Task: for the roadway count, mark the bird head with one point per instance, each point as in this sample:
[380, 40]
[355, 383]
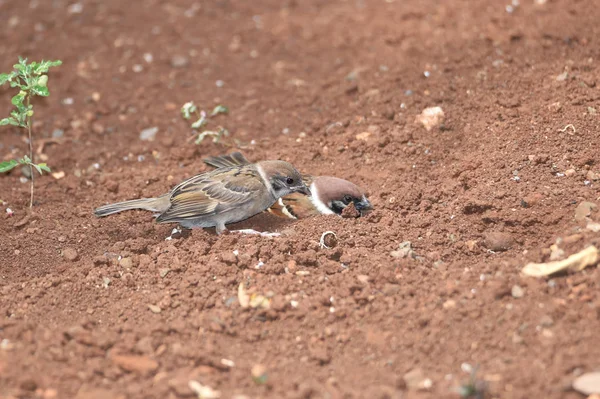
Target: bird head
[332, 195]
[283, 178]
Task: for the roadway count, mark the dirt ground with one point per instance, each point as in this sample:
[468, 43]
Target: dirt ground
[107, 308]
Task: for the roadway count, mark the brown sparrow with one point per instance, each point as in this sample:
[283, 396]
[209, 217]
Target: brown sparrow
[330, 195]
[225, 195]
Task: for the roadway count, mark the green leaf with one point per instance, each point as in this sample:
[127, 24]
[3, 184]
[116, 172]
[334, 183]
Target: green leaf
[9, 121]
[219, 109]
[43, 66]
[17, 100]
[40, 91]
[44, 167]
[40, 167]
[5, 77]
[188, 109]
[8, 165]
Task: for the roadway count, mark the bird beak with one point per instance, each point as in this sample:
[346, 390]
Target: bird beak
[302, 189]
[363, 205]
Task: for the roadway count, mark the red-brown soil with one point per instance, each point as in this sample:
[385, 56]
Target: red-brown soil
[107, 308]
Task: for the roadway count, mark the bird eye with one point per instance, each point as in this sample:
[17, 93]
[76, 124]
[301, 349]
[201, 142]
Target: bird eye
[289, 181]
[347, 199]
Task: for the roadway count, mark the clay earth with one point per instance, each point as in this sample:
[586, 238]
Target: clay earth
[108, 308]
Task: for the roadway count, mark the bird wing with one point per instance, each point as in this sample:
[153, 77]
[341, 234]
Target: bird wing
[237, 159]
[225, 161]
[211, 193]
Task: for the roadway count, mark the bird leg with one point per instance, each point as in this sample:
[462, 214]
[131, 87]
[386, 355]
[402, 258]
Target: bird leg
[260, 233]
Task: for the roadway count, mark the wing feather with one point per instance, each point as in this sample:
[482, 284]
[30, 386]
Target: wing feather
[225, 161]
[211, 193]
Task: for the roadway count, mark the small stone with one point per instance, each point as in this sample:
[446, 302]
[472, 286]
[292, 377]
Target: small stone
[516, 291]
[431, 117]
[404, 251]
[415, 380]
[148, 134]
[593, 176]
[136, 364]
[163, 272]
[588, 383]
[546, 321]
[562, 77]
[583, 210]
[154, 309]
[532, 200]
[569, 172]
[363, 278]
[98, 128]
[449, 304]
[179, 61]
[112, 186]
[364, 136]
[126, 263]
[70, 254]
[259, 374]
[57, 133]
[471, 245]
[6, 345]
[497, 241]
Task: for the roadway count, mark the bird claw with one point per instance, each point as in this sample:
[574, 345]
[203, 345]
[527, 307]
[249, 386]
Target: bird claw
[260, 233]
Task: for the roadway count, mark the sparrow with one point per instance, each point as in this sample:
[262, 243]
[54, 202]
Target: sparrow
[225, 195]
[330, 195]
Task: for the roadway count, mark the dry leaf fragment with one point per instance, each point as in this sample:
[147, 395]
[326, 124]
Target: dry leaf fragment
[576, 262]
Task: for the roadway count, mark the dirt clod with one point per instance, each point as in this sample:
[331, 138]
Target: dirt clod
[136, 364]
[70, 254]
[498, 241]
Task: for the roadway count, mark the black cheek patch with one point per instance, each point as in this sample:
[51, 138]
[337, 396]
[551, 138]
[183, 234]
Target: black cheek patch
[337, 206]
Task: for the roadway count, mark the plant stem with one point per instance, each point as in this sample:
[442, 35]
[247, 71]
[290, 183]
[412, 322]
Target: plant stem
[30, 154]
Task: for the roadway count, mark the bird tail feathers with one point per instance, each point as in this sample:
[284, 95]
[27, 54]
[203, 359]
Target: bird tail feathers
[148, 204]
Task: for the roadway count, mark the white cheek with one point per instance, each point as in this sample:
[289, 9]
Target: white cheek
[314, 198]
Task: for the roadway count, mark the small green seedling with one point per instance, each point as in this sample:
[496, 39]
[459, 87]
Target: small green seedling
[31, 80]
[190, 110]
[474, 388]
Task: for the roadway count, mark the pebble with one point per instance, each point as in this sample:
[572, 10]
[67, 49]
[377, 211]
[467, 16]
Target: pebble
[70, 254]
[179, 61]
[154, 309]
[259, 374]
[591, 175]
[415, 380]
[126, 263]
[431, 117]
[163, 272]
[584, 209]
[136, 364]
[588, 383]
[546, 321]
[148, 134]
[57, 133]
[516, 291]
[498, 241]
